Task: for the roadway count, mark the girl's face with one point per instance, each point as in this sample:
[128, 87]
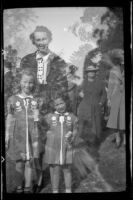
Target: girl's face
[27, 84]
[60, 105]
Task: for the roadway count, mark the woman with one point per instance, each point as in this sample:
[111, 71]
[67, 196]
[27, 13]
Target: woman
[49, 68]
[89, 111]
[116, 95]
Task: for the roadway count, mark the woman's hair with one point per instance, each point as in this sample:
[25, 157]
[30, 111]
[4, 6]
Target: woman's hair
[19, 75]
[41, 29]
[88, 58]
[59, 96]
[116, 56]
[93, 53]
[65, 98]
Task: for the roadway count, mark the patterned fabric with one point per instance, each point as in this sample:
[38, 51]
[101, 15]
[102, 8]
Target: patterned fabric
[42, 68]
[20, 120]
[56, 143]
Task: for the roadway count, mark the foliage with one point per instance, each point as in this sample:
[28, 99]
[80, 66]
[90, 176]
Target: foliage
[88, 23]
[10, 54]
[113, 37]
[103, 27]
[77, 58]
[16, 22]
[78, 55]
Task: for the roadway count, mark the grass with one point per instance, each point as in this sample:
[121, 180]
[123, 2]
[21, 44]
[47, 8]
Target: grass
[111, 166]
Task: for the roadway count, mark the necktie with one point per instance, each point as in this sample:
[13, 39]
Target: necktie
[42, 68]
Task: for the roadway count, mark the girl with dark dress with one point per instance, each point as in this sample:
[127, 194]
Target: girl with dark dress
[62, 129]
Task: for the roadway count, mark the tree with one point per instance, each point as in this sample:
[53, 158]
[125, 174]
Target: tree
[87, 23]
[102, 26]
[16, 22]
[78, 57]
[84, 30]
[113, 37]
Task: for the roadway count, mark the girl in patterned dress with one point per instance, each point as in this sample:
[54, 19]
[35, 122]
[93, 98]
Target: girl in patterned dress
[62, 129]
[22, 136]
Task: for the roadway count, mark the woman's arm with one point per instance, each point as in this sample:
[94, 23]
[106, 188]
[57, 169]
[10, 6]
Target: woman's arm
[111, 85]
[80, 91]
[103, 95]
[75, 128]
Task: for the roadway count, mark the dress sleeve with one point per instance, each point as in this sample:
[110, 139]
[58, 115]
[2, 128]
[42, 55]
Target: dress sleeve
[47, 118]
[24, 62]
[122, 84]
[10, 106]
[10, 117]
[104, 94]
[45, 122]
[75, 125]
[111, 85]
[57, 77]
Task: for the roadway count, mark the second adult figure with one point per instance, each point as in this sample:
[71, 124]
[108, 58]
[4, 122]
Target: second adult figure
[90, 108]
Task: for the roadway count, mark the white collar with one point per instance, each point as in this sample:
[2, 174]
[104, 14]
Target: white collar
[62, 114]
[39, 56]
[23, 97]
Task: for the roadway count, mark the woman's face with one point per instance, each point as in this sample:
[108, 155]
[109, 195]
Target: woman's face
[41, 41]
[27, 84]
[60, 105]
[91, 74]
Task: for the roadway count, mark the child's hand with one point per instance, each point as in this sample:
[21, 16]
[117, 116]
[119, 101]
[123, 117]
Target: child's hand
[36, 115]
[23, 156]
[35, 149]
[109, 103]
[81, 94]
[68, 137]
